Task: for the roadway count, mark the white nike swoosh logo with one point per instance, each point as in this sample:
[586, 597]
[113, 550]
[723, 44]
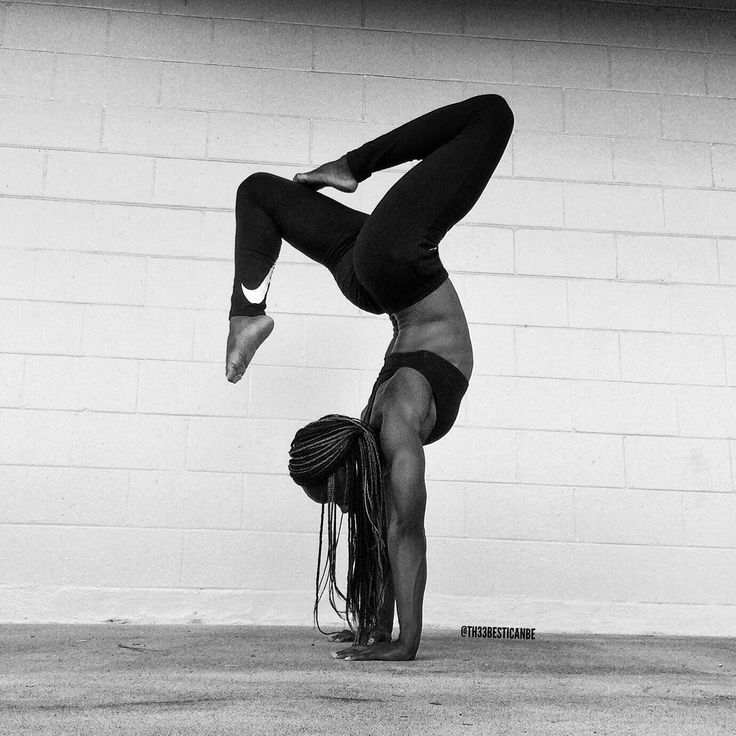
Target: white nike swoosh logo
[257, 295]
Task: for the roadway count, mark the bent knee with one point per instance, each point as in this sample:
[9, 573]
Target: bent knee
[498, 111]
[255, 184]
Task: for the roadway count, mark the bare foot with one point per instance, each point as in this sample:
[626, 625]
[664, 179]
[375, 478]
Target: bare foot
[245, 337]
[335, 174]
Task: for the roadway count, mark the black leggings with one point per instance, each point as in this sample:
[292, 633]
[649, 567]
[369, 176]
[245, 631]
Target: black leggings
[386, 261]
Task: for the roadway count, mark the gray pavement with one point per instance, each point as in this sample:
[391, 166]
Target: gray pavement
[194, 679]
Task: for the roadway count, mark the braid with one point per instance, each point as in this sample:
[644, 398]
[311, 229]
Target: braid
[317, 452]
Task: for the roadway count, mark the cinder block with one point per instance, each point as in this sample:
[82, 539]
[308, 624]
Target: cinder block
[399, 100]
[57, 225]
[210, 87]
[612, 207]
[285, 346]
[78, 383]
[121, 558]
[193, 284]
[618, 305]
[720, 30]
[462, 57]
[145, 230]
[519, 403]
[37, 437]
[600, 112]
[312, 94]
[240, 445]
[303, 393]
[727, 261]
[678, 463]
[472, 454]
[724, 166]
[662, 258]
[682, 28]
[38, 327]
[560, 64]
[544, 155]
[162, 132]
[721, 76]
[730, 355]
[665, 358]
[567, 458]
[710, 519]
[703, 309]
[245, 560]
[32, 555]
[99, 176]
[509, 19]
[26, 73]
[507, 202]
[17, 268]
[707, 411]
[493, 349]
[621, 516]
[516, 300]
[106, 79]
[564, 253]
[651, 70]
[345, 342]
[174, 387]
[620, 408]
[218, 235]
[296, 288]
[700, 212]
[75, 277]
[213, 8]
[314, 12]
[38, 495]
[200, 183]
[184, 500]
[506, 511]
[29, 122]
[699, 119]
[567, 353]
[433, 16]
[21, 171]
[366, 52]
[444, 514]
[255, 137]
[478, 250]
[662, 162]
[276, 502]
[11, 381]
[272, 45]
[535, 108]
[48, 28]
[138, 332]
[607, 24]
[153, 36]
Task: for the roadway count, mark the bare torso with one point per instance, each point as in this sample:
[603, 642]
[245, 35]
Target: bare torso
[437, 323]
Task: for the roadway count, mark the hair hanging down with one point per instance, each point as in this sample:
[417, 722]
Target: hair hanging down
[317, 452]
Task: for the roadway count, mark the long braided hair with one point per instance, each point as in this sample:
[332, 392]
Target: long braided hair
[318, 451]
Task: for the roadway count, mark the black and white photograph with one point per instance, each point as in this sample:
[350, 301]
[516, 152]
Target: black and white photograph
[367, 367]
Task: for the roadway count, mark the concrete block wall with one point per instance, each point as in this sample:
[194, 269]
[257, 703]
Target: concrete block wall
[589, 484]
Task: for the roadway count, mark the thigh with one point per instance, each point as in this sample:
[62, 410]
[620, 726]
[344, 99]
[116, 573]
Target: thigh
[396, 256]
[316, 225]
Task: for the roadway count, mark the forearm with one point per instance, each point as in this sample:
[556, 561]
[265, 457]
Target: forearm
[407, 549]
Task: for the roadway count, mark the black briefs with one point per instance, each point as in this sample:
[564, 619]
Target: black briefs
[447, 382]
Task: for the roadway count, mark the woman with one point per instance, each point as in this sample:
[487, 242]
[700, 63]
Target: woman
[386, 262]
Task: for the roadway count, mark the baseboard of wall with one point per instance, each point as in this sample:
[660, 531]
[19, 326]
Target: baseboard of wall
[51, 604]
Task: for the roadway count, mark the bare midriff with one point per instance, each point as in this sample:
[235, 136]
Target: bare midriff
[437, 323]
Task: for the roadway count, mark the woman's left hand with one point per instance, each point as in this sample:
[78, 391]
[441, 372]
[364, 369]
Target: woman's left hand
[393, 651]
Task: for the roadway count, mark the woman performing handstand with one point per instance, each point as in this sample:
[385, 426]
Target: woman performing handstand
[386, 262]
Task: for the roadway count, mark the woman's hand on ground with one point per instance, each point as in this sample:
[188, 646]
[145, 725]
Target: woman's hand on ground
[389, 651]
